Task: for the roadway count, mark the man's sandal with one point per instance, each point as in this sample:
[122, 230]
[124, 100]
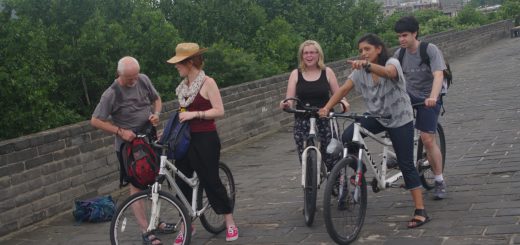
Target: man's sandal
[414, 222]
[149, 238]
[166, 228]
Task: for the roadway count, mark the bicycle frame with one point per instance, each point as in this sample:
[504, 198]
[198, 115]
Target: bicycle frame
[364, 154]
[193, 182]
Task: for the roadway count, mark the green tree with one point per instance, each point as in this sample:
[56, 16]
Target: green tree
[510, 9]
[438, 24]
[470, 16]
[28, 81]
[209, 21]
[229, 65]
[276, 45]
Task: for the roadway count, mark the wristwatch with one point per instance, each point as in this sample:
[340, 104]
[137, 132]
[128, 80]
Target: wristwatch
[367, 66]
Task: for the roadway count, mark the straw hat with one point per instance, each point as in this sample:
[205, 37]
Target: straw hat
[184, 51]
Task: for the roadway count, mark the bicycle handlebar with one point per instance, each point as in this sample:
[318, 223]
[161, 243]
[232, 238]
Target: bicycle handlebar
[353, 115]
[306, 109]
[157, 145]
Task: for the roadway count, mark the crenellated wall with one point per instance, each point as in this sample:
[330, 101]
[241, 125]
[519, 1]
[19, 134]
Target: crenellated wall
[41, 174]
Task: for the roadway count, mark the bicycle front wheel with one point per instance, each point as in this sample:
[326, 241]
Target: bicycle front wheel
[311, 187]
[132, 217]
[211, 221]
[423, 166]
[344, 208]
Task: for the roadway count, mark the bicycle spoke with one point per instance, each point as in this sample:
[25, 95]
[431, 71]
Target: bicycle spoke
[344, 213]
[210, 220]
[127, 227]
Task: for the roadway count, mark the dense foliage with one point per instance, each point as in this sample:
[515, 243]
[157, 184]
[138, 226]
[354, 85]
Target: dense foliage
[58, 56]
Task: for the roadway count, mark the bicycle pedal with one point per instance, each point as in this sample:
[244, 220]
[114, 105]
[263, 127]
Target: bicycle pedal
[375, 187]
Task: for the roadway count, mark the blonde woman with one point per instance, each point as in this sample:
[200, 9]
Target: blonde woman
[312, 83]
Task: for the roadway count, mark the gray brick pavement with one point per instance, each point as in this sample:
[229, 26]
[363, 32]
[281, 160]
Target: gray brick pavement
[482, 126]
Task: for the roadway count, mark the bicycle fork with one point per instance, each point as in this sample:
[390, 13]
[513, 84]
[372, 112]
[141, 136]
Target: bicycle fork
[304, 164]
[156, 208]
[312, 133]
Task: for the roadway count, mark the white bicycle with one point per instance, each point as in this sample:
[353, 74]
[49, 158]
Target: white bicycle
[345, 197]
[164, 207]
[314, 171]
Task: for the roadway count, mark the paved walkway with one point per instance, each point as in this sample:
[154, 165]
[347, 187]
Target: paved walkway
[482, 125]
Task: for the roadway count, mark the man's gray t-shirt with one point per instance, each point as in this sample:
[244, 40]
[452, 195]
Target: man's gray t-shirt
[385, 97]
[129, 109]
[419, 79]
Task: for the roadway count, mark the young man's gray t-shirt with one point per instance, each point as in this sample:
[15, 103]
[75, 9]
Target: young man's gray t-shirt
[419, 79]
[385, 97]
[131, 108]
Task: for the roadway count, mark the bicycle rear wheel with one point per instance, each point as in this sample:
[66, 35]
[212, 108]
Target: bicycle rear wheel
[211, 221]
[423, 166]
[311, 187]
[126, 229]
[343, 213]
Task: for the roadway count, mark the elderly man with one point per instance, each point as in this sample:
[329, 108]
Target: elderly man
[125, 107]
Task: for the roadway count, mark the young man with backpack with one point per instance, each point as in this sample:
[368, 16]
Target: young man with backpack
[126, 107]
[423, 66]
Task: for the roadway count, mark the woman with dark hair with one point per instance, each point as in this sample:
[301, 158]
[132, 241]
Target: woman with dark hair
[380, 80]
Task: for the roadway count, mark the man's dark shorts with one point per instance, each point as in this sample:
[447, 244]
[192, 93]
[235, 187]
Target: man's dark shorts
[426, 117]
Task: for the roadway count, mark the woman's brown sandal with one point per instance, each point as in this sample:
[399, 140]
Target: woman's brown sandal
[414, 223]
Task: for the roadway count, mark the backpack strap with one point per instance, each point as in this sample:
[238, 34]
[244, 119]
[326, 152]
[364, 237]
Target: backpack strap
[117, 90]
[401, 55]
[425, 59]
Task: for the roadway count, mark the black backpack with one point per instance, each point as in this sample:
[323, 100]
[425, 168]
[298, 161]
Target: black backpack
[425, 59]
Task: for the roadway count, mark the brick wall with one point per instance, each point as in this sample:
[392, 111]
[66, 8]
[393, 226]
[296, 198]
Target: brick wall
[41, 174]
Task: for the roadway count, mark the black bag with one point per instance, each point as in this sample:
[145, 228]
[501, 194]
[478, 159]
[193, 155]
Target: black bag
[425, 59]
[177, 136]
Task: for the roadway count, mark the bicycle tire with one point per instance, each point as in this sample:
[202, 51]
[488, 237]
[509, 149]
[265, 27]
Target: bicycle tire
[342, 228]
[311, 187]
[211, 221]
[425, 172]
[125, 229]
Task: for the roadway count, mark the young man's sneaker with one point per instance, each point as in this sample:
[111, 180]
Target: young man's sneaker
[180, 237]
[440, 190]
[232, 233]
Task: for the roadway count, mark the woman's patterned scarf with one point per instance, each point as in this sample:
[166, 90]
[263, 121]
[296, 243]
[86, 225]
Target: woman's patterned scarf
[186, 94]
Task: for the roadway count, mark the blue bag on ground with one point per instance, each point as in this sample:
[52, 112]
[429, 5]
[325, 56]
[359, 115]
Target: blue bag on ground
[98, 209]
[177, 136]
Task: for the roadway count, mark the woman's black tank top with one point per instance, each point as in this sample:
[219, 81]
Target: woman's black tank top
[314, 93]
